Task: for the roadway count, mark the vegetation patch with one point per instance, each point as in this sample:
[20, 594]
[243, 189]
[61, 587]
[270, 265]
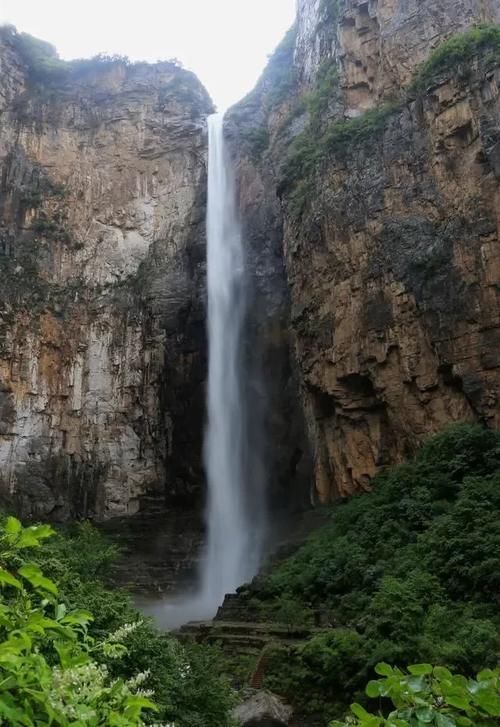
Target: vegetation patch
[483, 41]
[327, 82]
[307, 151]
[373, 123]
[427, 695]
[74, 652]
[257, 141]
[406, 574]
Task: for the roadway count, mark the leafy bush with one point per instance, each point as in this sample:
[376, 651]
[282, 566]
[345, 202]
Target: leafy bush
[410, 571]
[372, 123]
[459, 49]
[327, 82]
[186, 681]
[257, 141]
[429, 695]
[308, 150]
[41, 59]
[49, 667]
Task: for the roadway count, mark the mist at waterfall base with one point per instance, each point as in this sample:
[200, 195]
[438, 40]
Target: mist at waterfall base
[235, 512]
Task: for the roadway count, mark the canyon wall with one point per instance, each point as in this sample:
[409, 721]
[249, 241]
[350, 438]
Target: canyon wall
[380, 183]
[102, 299]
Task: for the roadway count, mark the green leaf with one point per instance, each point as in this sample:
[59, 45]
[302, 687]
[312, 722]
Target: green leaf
[444, 720]
[485, 674]
[415, 684]
[80, 618]
[14, 715]
[420, 669]
[384, 669]
[442, 673]
[60, 611]
[34, 575]
[31, 537]
[359, 711]
[374, 689]
[488, 701]
[425, 715]
[12, 526]
[6, 579]
[458, 701]
[464, 722]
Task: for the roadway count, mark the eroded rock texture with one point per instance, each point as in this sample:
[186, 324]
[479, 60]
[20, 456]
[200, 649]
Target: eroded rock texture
[392, 256]
[102, 350]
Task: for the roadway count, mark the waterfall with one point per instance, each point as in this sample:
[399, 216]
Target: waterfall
[235, 512]
[232, 552]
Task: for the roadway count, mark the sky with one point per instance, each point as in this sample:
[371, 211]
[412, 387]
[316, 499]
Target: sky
[225, 42]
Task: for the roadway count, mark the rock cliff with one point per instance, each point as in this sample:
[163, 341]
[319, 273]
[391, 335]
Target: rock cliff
[369, 149]
[102, 257]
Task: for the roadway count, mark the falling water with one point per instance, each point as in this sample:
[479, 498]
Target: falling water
[234, 514]
[232, 553]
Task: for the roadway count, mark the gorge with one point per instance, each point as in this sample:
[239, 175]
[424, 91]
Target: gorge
[351, 298]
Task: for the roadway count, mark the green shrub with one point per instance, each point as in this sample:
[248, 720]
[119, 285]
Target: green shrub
[41, 59]
[317, 674]
[187, 683]
[308, 150]
[50, 672]
[459, 49]
[411, 569]
[291, 612]
[327, 83]
[257, 141]
[427, 695]
[341, 134]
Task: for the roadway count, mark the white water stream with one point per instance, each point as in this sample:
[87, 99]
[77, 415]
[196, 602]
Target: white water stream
[232, 553]
[234, 519]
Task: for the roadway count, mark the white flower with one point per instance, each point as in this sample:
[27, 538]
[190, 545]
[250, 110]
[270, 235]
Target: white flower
[122, 632]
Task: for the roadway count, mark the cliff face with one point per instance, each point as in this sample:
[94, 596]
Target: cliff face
[388, 220]
[102, 350]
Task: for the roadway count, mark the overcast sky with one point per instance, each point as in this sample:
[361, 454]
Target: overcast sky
[225, 42]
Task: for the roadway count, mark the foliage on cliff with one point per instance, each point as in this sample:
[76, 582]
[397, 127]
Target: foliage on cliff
[461, 49]
[45, 68]
[323, 139]
[76, 623]
[407, 573]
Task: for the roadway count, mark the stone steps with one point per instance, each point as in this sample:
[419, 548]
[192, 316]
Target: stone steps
[244, 638]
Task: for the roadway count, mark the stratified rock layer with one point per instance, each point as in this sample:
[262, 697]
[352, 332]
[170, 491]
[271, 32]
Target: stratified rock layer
[392, 255]
[102, 345]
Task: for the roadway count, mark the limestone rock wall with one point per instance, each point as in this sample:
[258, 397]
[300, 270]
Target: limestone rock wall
[102, 344]
[392, 252]
[396, 311]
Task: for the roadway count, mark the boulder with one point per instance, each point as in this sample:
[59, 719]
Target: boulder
[263, 709]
